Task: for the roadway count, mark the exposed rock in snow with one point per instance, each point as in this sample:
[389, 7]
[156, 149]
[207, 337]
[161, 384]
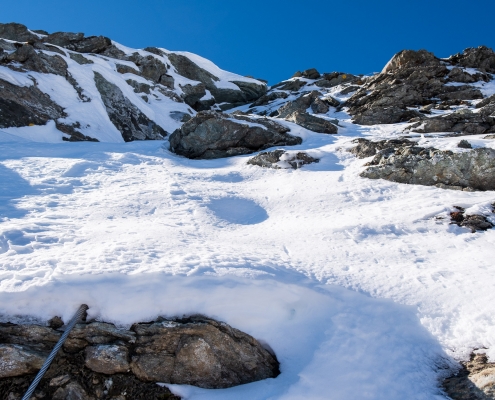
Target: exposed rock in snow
[312, 123]
[482, 58]
[470, 170]
[194, 351]
[280, 159]
[213, 135]
[367, 148]
[475, 380]
[475, 222]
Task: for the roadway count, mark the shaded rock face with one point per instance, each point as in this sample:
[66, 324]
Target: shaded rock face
[26, 105]
[367, 148]
[482, 58]
[410, 79]
[77, 42]
[213, 135]
[17, 32]
[100, 357]
[248, 91]
[126, 117]
[474, 222]
[312, 123]
[280, 159]
[470, 170]
[475, 380]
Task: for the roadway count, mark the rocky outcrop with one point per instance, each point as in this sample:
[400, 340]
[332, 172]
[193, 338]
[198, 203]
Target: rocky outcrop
[482, 58]
[99, 357]
[126, 117]
[247, 92]
[469, 170]
[312, 123]
[17, 32]
[410, 79]
[213, 135]
[462, 121]
[280, 159]
[474, 381]
[367, 148]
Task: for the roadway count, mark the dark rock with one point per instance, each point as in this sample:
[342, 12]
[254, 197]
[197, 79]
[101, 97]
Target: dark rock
[139, 87]
[25, 105]
[336, 78]
[267, 98]
[349, 89]
[214, 135]
[464, 144]
[248, 91]
[367, 148]
[113, 51]
[32, 61]
[77, 42]
[180, 116]
[107, 359]
[302, 103]
[486, 101]
[4, 45]
[320, 106]
[154, 50]
[474, 381]
[73, 391]
[476, 222]
[482, 58]
[312, 123]
[150, 66]
[463, 120]
[126, 69]
[78, 58]
[280, 159]
[55, 323]
[473, 170]
[459, 75]
[292, 85]
[74, 134]
[126, 117]
[18, 360]
[410, 79]
[193, 94]
[17, 32]
[311, 73]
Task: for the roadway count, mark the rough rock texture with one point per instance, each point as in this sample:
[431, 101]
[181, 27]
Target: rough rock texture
[367, 148]
[462, 121]
[474, 222]
[302, 103]
[126, 117]
[480, 57]
[26, 105]
[475, 380]
[213, 135]
[312, 123]
[470, 170]
[77, 42]
[99, 357]
[336, 78]
[280, 159]
[410, 79]
[247, 92]
[17, 32]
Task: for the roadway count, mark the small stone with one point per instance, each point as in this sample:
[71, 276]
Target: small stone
[60, 380]
[73, 391]
[464, 144]
[55, 323]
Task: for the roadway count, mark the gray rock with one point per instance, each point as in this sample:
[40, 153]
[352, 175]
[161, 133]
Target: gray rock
[73, 391]
[489, 137]
[139, 87]
[78, 58]
[280, 159]
[151, 67]
[25, 105]
[17, 32]
[180, 116]
[311, 73]
[8, 46]
[410, 79]
[107, 359]
[367, 148]
[464, 144]
[336, 78]
[193, 94]
[482, 58]
[199, 352]
[77, 42]
[291, 85]
[126, 117]
[247, 92]
[302, 103]
[30, 60]
[312, 123]
[320, 106]
[473, 170]
[214, 135]
[267, 98]
[18, 360]
[113, 51]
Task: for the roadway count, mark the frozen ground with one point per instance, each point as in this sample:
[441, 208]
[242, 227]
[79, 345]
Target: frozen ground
[356, 286]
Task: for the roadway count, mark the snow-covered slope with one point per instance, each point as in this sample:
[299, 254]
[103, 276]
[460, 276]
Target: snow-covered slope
[362, 287]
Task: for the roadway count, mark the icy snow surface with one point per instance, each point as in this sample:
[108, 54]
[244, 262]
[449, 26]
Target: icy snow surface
[360, 291]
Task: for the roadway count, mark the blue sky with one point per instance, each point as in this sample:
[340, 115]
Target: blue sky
[272, 39]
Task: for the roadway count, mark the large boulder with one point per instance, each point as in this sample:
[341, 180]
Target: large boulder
[127, 118]
[214, 135]
[312, 123]
[280, 159]
[247, 92]
[99, 357]
[469, 170]
[410, 79]
[77, 42]
[482, 58]
[17, 32]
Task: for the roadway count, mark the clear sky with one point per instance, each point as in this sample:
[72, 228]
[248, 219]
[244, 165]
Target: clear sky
[272, 39]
